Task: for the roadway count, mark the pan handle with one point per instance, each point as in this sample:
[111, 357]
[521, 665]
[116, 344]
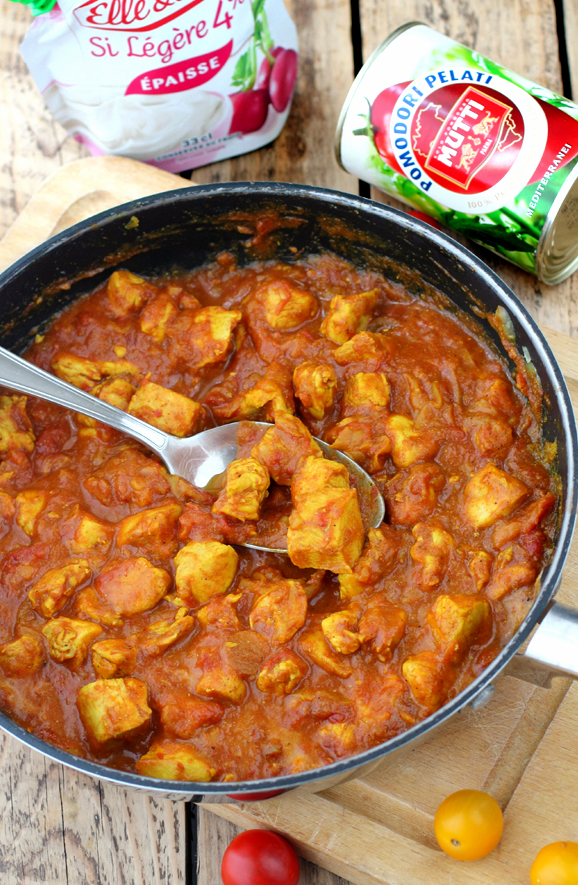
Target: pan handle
[552, 650]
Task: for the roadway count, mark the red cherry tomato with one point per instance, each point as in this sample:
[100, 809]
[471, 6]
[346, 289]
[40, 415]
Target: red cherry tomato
[381, 110]
[265, 69]
[282, 80]
[259, 857]
[423, 217]
[249, 110]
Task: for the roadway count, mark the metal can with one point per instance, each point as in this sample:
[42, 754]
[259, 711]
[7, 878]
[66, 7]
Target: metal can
[478, 147]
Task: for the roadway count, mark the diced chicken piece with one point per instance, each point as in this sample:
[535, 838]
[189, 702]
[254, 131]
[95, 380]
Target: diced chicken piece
[157, 315]
[16, 432]
[339, 738]
[127, 293]
[166, 409]
[378, 558]
[113, 708]
[29, 505]
[245, 651]
[174, 761]
[311, 705]
[366, 348]
[480, 565]
[76, 370]
[318, 649]
[491, 434]
[92, 535]
[432, 549]
[118, 391]
[280, 612]
[367, 390]
[204, 569]
[133, 586]
[412, 495]
[112, 658]
[272, 393]
[220, 612]
[456, 620]
[154, 530]
[21, 657]
[315, 387]
[57, 585]
[184, 714]
[246, 486]
[527, 520]
[348, 315]
[428, 677]
[69, 639]
[492, 494]
[219, 679]
[340, 631]
[383, 624]
[282, 673]
[286, 305]
[89, 603]
[284, 448]
[325, 528]
[120, 368]
[385, 696]
[210, 337]
[128, 478]
[155, 638]
[512, 570]
[408, 443]
[357, 437]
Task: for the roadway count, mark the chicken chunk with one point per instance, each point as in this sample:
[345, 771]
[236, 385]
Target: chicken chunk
[155, 638]
[340, 631]
[166, 409]
[57, 585]
[128, 478]
[366, 348]
[21, 657]
[339, 738]
[284, 448]
[383, 624]
[357, 437]
[412, 495]
[512, 570]
[348, 315]
[118, 391]
[325, 528]
[271, 393]
[29, 505]
[204, 569]
[219, 679]
[490, 495]
[492, 436]
[379, 557]
[315, 387]
[69, 639]
[480, 564]
[174, 761]
[157, 315]
[282, 673]
[76, 370]
[527, 520]
[247, 483]
[367, 390]
[89, 603]
[456, 620]
[408, 443]
[16, 433]
[210, 336]
[184, 714]
[429, 679]
[132, 586]
[286, 305]
[432, 550]
[154, 530]
[220, 612]
[280, 612]
[320, 652]
[112, 658]
[127, 293]
[91, 535]
[113, 708]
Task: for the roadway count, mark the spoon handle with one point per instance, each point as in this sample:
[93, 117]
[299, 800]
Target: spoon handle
[18, 374]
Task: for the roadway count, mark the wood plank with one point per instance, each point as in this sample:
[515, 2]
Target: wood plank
[537, 57]
[304, 150]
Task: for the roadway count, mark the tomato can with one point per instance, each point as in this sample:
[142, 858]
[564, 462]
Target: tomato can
[474, 145]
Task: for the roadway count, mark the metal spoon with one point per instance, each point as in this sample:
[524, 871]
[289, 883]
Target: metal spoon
[196, 458]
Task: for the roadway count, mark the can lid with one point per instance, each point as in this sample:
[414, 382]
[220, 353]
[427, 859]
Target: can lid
[557, 252]
[38, 7]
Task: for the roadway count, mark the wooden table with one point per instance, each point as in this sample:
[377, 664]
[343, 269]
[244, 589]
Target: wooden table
[59, 827]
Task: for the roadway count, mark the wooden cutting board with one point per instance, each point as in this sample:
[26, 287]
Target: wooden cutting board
[522, 747]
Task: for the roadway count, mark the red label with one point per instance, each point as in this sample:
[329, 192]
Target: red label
[130, 15]
[182, 75]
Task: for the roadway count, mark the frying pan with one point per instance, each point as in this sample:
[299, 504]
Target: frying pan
[179, 230]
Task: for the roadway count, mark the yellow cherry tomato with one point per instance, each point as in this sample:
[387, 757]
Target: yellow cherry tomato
[468, 824]
[556, 864]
